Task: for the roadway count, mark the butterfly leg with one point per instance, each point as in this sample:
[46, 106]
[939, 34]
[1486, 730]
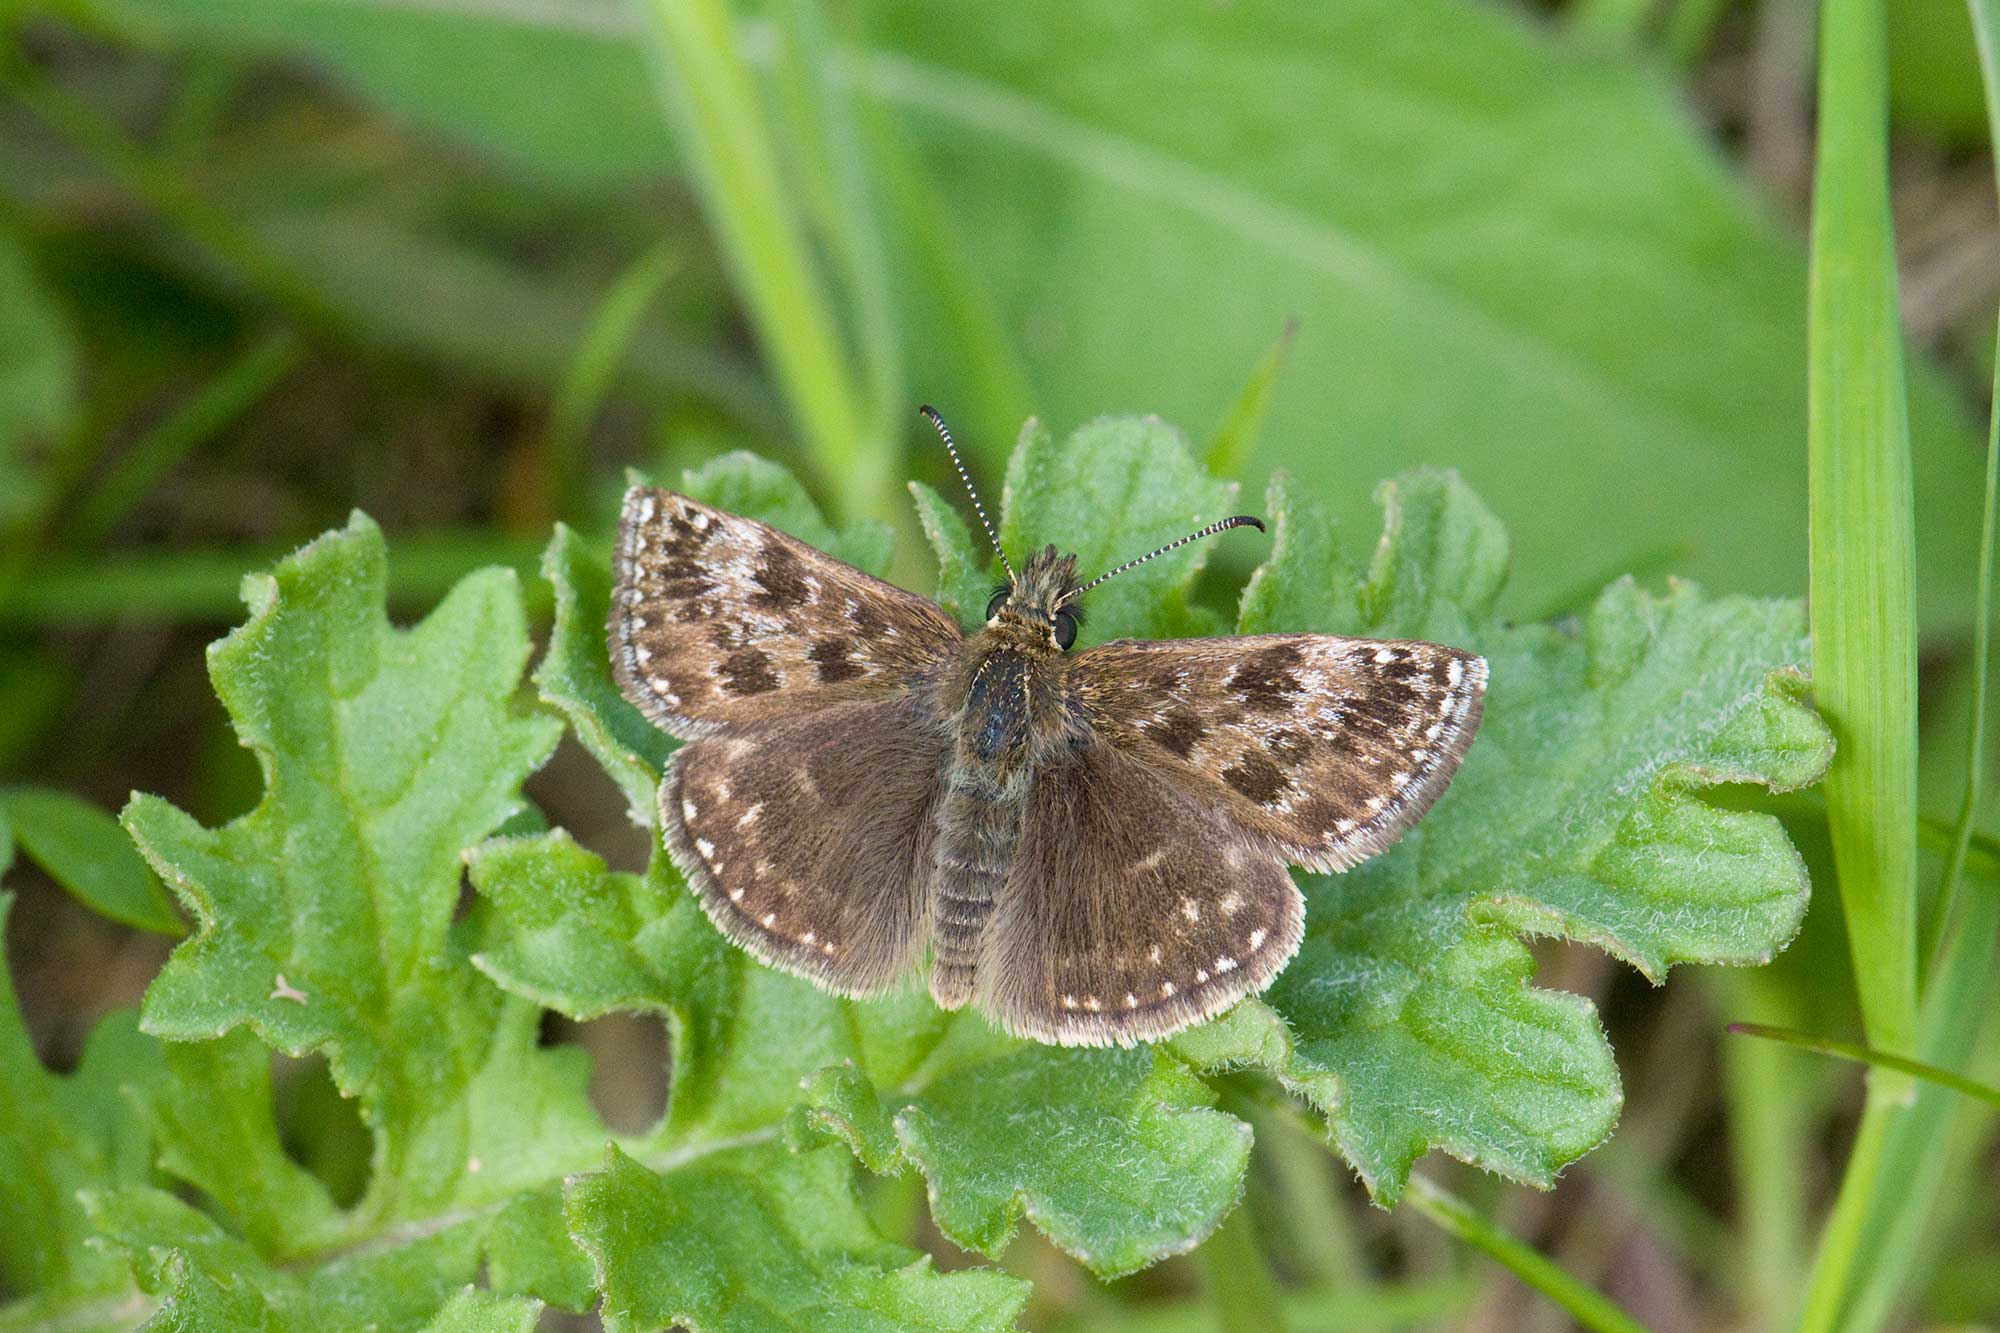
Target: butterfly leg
[975, 846]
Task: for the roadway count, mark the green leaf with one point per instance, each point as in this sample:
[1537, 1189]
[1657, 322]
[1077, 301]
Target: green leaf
[964, 580]
[464, 70]
[209, 1279]
[1480, 302]
[476, 1311]
[324, 915]
[756, 1237]
[574, 675]
[1031, 1128]
[85, 851]
[743, 483]
[59, 1135]
[1579, 812]
[212, 1119]
[1113, 491]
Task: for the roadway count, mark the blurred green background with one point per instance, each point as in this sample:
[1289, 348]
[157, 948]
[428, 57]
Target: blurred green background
[461, 262]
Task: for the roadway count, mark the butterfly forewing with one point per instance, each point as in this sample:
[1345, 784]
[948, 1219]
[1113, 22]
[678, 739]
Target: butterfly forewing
[1326, 748]
[720, 623]
[809, 843]
[1132, 909]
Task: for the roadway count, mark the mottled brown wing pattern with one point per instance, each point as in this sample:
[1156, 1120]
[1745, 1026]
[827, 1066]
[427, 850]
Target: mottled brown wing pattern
[1328, 748]
[809, 844]
[1132, 909]
[720, 623]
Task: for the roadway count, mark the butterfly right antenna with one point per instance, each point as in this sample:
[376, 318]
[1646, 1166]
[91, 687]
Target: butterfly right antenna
[977, 508]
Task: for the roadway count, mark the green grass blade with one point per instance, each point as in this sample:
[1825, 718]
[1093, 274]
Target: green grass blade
[1848, 1050]
[828, 144]
[1863, 593]
[1986, 33]
[232, 393]
[1587, 1306]
[1863, 616]
[1939, 1137]
[1242, 1291]
[1240, 430]
[719, 121]
[594, 368]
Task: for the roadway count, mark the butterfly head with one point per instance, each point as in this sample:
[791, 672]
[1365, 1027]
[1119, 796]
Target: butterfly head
[1040, 605]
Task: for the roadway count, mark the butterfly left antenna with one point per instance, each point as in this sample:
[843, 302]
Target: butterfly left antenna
[1221, 525]
[977, 508]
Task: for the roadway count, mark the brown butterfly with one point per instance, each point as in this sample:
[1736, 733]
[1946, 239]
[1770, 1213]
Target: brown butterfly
[1093, 849]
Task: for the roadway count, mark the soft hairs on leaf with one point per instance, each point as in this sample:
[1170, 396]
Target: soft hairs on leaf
[323, 916]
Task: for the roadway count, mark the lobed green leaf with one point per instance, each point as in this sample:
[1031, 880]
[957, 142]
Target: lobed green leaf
[60, 1135]
[752, 1237]
[323, 917]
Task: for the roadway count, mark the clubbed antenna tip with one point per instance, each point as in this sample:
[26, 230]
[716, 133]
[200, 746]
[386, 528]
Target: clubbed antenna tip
[1220, 525]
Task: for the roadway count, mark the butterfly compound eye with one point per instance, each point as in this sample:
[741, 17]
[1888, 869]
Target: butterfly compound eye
[999, 600]
[1065, 630]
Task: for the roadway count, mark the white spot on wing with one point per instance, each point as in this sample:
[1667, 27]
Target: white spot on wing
[749, 817]
[706, 848]
[1167, 989]
[1190, 909]
[1256, 940]
[1384, 656]
[1225, 964]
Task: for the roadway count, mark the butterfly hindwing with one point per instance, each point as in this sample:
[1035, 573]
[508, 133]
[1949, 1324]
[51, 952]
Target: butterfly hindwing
[809, 843]
[1132, 909]
[1327, 748]
[720, 623]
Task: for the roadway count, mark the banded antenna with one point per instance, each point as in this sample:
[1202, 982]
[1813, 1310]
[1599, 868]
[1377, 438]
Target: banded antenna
[977, 508]
[1220, 525]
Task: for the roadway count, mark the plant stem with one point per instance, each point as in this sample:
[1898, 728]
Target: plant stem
[1986, 32]
[591, 372]
[1848, 1050]
[712, 100]
[225, 398]
[1587, 1306]
[1241, 1289]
